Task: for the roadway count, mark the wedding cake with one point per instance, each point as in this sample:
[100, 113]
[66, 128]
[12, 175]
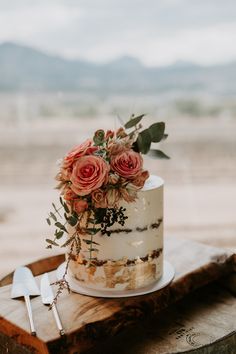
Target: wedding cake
[111, 210]
[132, 256]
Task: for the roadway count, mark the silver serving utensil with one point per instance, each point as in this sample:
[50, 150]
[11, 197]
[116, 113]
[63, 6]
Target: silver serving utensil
[25, 285]
[47, 299]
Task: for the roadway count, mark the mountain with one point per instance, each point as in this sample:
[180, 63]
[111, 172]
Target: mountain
[25, 68]
[125, 63]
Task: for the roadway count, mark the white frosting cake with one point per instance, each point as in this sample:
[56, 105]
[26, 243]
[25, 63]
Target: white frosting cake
[132, 256]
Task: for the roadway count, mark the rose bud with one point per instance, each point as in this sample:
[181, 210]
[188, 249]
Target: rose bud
[109, 134]
[80, 206]
[99, 137]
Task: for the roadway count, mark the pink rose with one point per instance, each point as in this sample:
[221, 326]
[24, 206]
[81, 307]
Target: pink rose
[79, 206]
[127, 164]
[89, 173]
[79, 150]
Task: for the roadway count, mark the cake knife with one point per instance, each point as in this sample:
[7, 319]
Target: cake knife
[47, 299]
[25, 285]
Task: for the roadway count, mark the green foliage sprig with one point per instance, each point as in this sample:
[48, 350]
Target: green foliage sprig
[154, 134]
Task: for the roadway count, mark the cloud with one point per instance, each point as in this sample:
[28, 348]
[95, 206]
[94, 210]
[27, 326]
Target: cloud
[157, 32]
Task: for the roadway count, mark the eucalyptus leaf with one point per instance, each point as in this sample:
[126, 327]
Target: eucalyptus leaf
[53, 216]
[144, 141]
[158, 154]
[75, 214]
[99, 215]
[92, 231]
[66, 207]
[68, 241]
[93, 221]
[59, 234]
[72, 220]
[48, 221]
[133, 121]
[60, 226]
[56, 210]
[156, 131]
[89, 242]
[54, 206]
[51, 242]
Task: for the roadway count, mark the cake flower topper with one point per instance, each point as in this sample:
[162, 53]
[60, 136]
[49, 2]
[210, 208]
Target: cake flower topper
[94, 178]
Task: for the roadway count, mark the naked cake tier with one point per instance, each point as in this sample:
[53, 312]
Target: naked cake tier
[132, 256]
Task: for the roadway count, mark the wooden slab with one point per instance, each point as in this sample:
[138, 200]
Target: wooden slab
[203, 322]
[87, 320]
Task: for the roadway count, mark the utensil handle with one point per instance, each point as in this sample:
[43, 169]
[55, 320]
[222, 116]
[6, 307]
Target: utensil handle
[57, 319]
[29, 310]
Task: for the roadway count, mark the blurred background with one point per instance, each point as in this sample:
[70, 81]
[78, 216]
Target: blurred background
[69, 67]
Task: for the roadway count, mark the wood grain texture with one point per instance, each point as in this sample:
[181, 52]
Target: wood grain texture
[203, 322]
[87, 320]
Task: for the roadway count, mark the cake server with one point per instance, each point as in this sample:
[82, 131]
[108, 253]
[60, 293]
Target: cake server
[25, 285]
[47, 299]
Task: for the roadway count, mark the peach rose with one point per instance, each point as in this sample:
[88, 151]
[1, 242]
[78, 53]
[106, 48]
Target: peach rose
[99, 198]
[89, 173]
[116, 147]
[79, 150]
[140, 179]
[79, 206]
[127, 164]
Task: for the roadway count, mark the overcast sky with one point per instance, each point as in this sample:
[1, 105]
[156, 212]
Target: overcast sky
[158, 32]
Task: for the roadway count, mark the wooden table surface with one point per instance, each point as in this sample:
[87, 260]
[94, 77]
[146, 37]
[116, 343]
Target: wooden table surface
[89, 321]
